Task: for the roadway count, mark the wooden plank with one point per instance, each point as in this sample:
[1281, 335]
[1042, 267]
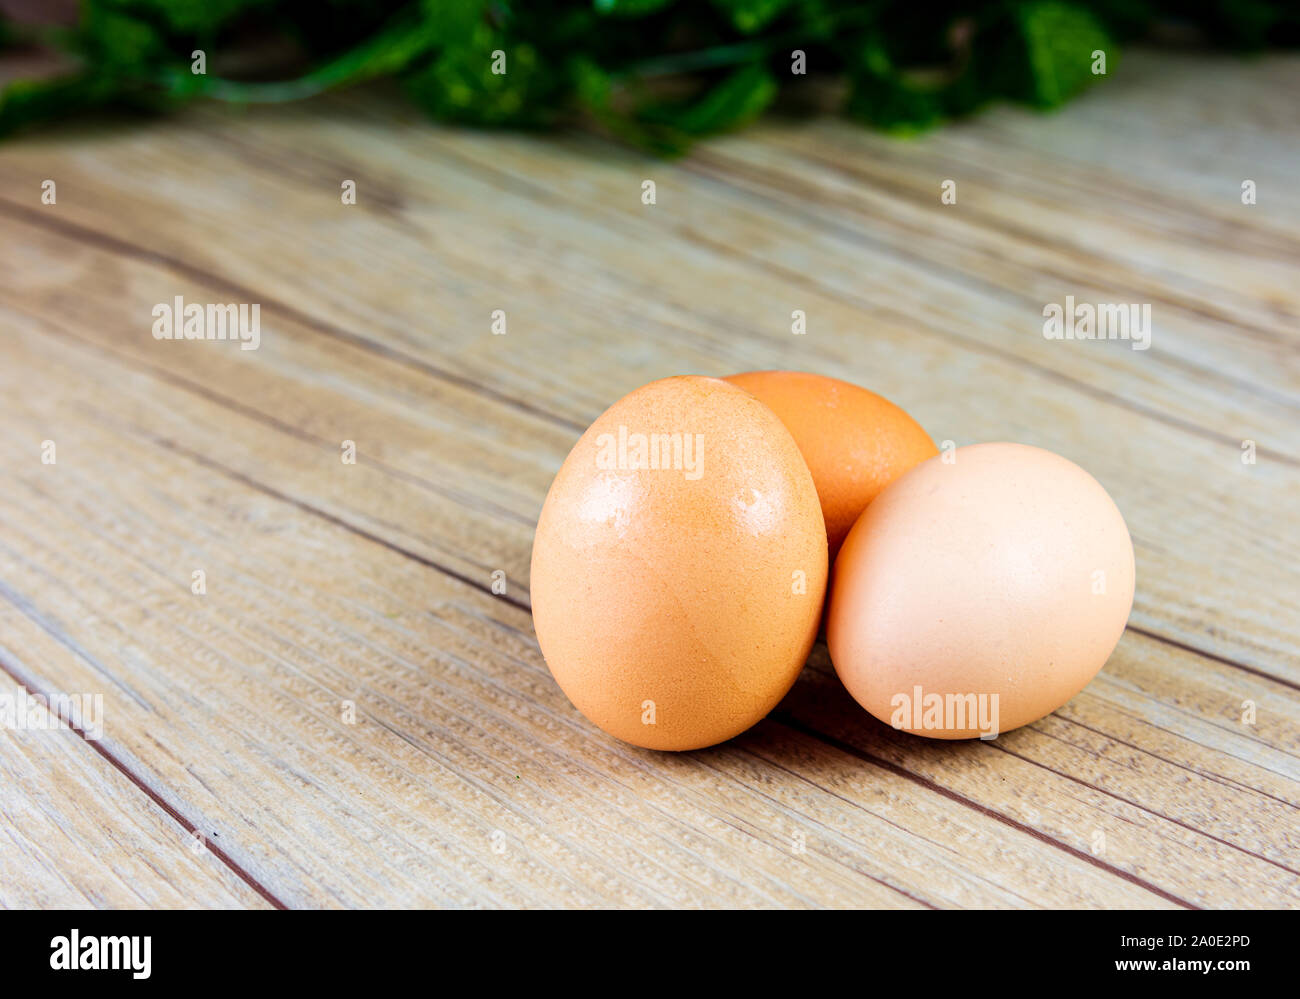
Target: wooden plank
[461, 731]
[1213, 542]
[1140, 789]
[166, 407]
[77, 833]
[458, 211]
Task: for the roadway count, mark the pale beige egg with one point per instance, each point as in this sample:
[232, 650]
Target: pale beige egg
[679, 565]
[979, 594]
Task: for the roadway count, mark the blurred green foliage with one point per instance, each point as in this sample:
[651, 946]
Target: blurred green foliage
[656, 73]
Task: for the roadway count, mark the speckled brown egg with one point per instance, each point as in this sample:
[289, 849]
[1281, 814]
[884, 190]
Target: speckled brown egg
[679, 565]
[980, 593]
[854, 442]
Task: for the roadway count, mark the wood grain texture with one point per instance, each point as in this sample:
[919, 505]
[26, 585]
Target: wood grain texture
[77, 833]
[466, 778]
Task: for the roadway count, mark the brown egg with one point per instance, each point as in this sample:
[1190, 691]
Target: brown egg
[979, 594]
[854, 442]
[679, 565]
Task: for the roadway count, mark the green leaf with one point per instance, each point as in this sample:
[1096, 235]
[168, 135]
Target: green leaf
[738, 99]
[885, 97]
[598, 93]
[818, 19]
[402, 42]
[889, 102]
[629, 8]
[185, 17]
[119, 43]
[460, 83]
[751, 15]
[118, 50]
[908, 66]
[664, 127]
[1059, 40]
[25, 102]
[452, 21]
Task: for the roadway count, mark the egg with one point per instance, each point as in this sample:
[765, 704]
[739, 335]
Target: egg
[979, 592]
[854, 442]
[679, 565]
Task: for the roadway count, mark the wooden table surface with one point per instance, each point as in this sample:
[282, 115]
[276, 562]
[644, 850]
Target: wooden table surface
[350, 716]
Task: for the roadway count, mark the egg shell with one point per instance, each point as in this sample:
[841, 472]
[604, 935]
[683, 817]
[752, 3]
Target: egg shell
[676, 605]
[854, 442]
[1008, 571]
